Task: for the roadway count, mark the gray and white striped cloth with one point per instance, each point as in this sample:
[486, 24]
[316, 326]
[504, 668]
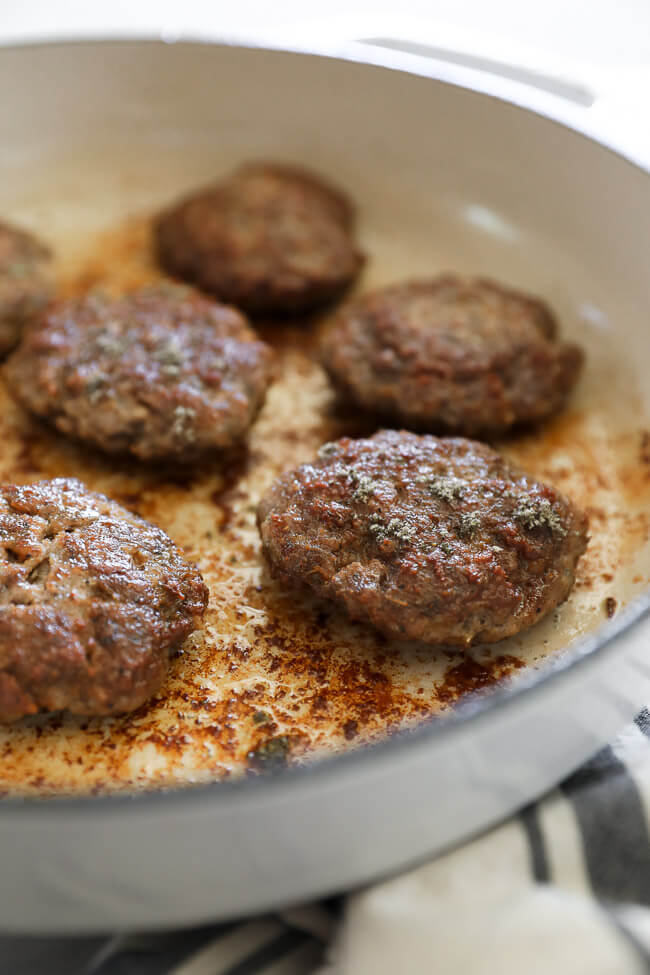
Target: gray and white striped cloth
[564, 887]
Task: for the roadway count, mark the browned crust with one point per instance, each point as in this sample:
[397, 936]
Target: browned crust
[92, 601]
[163, 373]
[451, 354]
[439, 540]
[270, 239]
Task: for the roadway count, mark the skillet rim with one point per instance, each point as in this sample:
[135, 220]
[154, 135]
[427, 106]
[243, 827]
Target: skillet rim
[581, 653]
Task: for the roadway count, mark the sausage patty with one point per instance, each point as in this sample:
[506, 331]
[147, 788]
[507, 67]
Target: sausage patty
[270, 239]
[92, 601]
[25, 282]
[162, 373]
[451, 354]
[439, 540]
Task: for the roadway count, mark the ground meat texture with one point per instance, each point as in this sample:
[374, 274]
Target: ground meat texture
[25, 282]
[451, 355]
[271, 239]
[161, 374]
[92, 601]
[439, 540]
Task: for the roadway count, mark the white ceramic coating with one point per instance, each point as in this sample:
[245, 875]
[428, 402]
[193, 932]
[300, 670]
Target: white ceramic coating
[518, 197]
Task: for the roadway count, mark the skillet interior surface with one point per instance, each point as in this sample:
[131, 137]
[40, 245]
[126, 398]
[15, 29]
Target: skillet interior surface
[483, 196]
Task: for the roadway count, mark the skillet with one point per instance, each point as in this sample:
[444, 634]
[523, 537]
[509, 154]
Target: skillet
[148, 821]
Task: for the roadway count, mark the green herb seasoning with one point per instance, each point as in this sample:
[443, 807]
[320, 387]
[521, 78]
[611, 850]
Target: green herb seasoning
[327, 450]
[168, 354]
[111, 344]
[364, 486]
[181, 427]
[397, 529]
[95, 386]
[532, 513]
[444, 487]
[468, 525]
[270, 754]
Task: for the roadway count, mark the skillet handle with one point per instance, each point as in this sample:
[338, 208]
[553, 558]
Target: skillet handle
[609, 101]
[615, 100]
[528, 71]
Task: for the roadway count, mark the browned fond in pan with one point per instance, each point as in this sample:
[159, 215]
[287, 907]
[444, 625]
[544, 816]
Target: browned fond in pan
[272, 664]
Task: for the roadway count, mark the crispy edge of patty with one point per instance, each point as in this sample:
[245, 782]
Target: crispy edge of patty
[259, 287]
[98, 642]
[381, 585]
[528, 383]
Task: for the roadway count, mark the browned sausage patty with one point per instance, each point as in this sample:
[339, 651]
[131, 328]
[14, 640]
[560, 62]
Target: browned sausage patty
[439, 540]
[451, 354]
[270, 239]
[162, 373]
[92, 601]
[25, 282]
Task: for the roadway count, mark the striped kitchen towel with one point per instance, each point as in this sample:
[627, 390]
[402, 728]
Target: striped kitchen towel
[564, 887]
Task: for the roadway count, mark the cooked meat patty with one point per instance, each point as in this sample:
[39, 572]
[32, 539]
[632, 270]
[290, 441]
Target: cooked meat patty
[162, 373]
[270, 239]
[25, 282]
[92, 601]
[451, 354]
[439, 540]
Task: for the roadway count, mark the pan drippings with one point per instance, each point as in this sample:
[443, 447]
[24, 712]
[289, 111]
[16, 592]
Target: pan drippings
[273, 677]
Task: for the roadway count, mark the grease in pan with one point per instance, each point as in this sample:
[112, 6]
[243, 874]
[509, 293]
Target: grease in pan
[323, 683]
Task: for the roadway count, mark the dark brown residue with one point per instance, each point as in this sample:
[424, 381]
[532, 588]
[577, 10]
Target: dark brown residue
[610, 606]
[322, 682]
[351, 730]
[270, 754]
[472, 676]
[228, 492]
[644, 452]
